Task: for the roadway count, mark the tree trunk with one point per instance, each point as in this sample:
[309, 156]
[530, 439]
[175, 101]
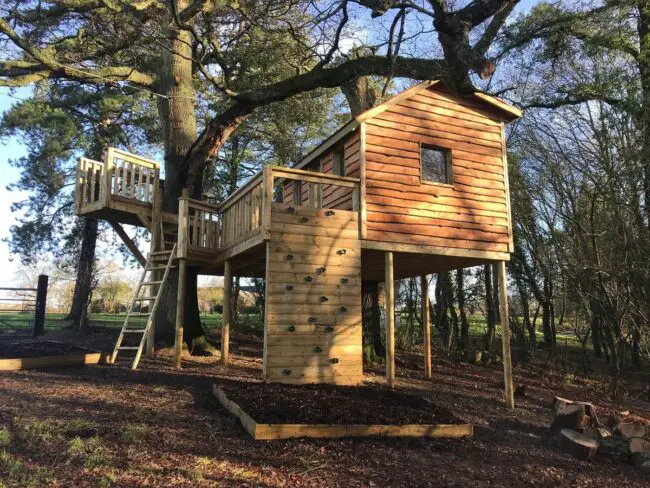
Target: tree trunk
[359, 95]
[371, 320]
[596, 331]
[85, 272]
[489, 307]
[460, 297]
[178, 121]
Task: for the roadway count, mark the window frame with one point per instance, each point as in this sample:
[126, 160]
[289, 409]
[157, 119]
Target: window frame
[449, 168]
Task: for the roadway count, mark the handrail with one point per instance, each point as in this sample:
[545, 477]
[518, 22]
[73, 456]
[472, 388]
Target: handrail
[200, 204]
[315, 177]
[254, 181]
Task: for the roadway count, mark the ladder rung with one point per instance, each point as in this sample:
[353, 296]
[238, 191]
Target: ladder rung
[145, 283]
[159, 253]
[128, 348]
[134, 331]
[155, 268]
[144, 298]
[139, 314]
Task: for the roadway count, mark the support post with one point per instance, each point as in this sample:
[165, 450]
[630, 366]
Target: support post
[390, 320]
[424, 284]
[505, 337]
[227, 312]
[41, 302]
[180, 311]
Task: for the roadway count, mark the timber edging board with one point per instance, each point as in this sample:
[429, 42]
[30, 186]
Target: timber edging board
[288, 431]
[13, 364]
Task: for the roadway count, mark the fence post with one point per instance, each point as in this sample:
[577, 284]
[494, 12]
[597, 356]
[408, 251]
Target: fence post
[41, 301]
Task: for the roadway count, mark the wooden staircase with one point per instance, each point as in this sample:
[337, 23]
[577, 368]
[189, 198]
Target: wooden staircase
[156, 262]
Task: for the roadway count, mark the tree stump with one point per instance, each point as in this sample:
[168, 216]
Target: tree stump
[630, 430]
[640, 451]
[568, 417]
[578, 445]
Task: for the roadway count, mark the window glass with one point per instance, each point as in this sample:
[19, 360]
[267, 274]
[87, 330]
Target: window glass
[338, 162]
[435, 165]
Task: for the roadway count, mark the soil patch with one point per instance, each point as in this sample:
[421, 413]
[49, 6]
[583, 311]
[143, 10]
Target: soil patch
[329, 404]
[20, 350]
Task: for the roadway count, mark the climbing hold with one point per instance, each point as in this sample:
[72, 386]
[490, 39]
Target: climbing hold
[341, 252]
[317, 349]
[329, 328]
[289, 257]
[344, 280]
[304, 220]
[286, 372]
[334, 360]
[291, 210]
[323, 298]
[289, 287]
[312, 320]
[322, 269]
[291, 328]
[343, 309]
[329, 213]
[308, 278]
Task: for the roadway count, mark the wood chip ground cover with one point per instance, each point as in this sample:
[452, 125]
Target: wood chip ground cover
[109, 426]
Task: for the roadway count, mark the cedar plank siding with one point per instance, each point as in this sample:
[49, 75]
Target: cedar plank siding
[333, 197]
[472, 213]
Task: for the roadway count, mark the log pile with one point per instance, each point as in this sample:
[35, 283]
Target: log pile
[577, 430]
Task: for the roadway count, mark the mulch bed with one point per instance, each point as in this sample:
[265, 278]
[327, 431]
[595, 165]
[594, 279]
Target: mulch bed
[328, 404]
[20, 350]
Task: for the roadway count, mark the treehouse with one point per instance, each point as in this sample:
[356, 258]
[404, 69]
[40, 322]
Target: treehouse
[416, 185]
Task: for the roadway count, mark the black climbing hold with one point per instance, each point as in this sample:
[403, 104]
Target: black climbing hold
[323, 298]
[286, 372]
[344, 280]
[291, 210]
[304, 219]
[289, 257]
[343, 309]
[317, 349]
[312, 320]
[308, 278]
[322, 269]
[289, 287]
[341, 252]
[329, 213]
[291, 328]
[329, 328]
[334, 360]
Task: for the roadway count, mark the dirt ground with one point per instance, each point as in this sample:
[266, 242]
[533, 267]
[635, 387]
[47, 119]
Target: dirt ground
[110, 426]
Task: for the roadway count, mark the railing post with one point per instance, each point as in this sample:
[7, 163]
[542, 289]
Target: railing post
[78, 187]
[183, 224]
[267, 202]
[107, 177]
[41, 302]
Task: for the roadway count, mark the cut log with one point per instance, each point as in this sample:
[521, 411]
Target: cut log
[630, 430]
[639, 451]
[615, 446]
[577, 444]
[568, 417]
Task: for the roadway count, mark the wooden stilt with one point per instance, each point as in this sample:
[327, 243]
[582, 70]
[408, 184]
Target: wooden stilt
[507, 361]
[390, 320]
[227, 311]
[424, 283]
[180, 311]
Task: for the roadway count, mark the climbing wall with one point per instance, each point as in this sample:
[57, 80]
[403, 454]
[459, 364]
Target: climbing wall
[313, 300]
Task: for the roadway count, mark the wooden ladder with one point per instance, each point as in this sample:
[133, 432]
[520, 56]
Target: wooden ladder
[154, 263]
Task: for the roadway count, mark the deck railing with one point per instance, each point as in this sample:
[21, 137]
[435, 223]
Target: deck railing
[122, 176]
[247, 212]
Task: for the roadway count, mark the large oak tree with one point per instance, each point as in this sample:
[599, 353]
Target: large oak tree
[248, 53]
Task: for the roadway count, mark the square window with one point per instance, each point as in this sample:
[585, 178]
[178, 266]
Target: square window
[338, 162]
[435, 165]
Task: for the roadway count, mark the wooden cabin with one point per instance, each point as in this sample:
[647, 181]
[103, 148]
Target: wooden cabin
[414, 186]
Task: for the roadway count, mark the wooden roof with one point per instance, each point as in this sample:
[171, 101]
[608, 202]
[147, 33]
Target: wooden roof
[508, 112]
